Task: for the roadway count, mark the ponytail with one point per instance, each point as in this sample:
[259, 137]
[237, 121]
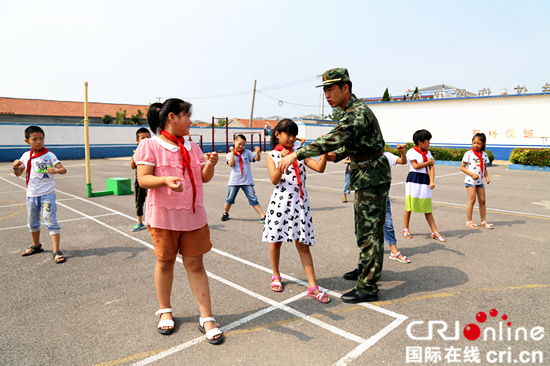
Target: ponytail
[158, 113]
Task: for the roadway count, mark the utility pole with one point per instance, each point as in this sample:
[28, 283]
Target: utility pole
[252, 109]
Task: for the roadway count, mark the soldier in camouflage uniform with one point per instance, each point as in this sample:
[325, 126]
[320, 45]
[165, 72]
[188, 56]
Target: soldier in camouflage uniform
[357, 135]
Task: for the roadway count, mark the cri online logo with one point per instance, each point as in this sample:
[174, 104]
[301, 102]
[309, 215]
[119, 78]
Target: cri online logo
[472, 331]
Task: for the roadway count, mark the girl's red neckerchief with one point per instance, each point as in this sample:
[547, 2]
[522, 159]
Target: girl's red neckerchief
[424, 157]
[280, 147]
[480, 157]
[185, 160]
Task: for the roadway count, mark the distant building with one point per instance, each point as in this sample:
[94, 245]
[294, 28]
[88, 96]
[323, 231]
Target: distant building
[256, 123]
[432, 92]
[38, 111]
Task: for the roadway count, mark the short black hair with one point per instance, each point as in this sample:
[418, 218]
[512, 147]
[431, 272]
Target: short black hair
[142, 130]
[33, 129]
[240, 136]
[421, 135]
[342, 83]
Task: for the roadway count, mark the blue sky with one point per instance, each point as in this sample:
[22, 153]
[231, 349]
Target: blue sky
[210, 52]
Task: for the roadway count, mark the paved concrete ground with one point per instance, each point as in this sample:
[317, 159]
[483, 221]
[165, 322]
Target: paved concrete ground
[98, 307]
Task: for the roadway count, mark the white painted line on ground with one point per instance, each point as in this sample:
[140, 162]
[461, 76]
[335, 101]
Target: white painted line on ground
[488, 208]
[359, 350]
[59, 221]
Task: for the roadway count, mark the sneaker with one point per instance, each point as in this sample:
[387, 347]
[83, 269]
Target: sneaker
[225, 216]
[138, 227]
[262, 220]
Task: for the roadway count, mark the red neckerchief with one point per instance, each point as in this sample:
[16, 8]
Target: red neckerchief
[480, 157]
[296, 168]
[240, 160]
[185, 160]
[424, 157]
[31, 156]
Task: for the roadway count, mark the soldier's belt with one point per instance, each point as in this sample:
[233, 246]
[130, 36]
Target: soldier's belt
[364, 157]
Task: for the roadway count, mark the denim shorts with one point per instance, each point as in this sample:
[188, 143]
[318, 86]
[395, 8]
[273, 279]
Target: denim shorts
[248, 191]
[475, 185]
[46, 204]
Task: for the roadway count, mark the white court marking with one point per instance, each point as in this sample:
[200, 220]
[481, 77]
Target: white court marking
[363, 344]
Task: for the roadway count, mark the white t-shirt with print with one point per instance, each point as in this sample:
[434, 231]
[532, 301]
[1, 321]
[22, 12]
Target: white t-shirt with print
[473, 165]
[40, 182]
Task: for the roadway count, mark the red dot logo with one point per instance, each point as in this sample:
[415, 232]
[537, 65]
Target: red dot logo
[504, 317]
[509, 324]
[481, 317]
[472, 332]
[493, 312]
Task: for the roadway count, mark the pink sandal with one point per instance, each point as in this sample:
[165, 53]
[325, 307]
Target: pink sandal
[486, 225]
[276, 283]
[437, 236]
[320, 296]
[407, 234]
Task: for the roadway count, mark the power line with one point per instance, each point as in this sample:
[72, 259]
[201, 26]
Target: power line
[279, 86]
[281, 102]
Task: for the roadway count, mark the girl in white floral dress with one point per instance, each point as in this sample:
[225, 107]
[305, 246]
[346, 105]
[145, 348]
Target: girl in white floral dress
[288, 216]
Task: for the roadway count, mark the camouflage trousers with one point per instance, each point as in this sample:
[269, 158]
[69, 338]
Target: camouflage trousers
[370, 216]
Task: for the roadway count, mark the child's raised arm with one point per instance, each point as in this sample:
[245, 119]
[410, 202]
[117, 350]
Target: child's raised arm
[318, 166]
[18, 167]
[231, 161]
[403, 158]
[208, 168]
[258, 153]
[274, 174]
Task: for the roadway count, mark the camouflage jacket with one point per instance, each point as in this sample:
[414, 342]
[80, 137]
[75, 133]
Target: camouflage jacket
[356, 134]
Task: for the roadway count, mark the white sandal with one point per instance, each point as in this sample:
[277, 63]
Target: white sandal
[165, 323]
[402, 260]
[212, 332]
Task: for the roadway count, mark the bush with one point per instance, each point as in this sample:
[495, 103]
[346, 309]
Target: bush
[441, 153]
[539, 157]
[107, 119]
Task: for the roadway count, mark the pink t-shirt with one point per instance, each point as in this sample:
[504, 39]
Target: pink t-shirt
[167, 209]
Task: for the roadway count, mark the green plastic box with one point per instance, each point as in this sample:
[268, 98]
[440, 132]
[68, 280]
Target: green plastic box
[119, 186]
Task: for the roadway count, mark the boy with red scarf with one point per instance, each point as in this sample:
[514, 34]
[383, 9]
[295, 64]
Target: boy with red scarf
[239, 160]
[41, 165]
[420, 183]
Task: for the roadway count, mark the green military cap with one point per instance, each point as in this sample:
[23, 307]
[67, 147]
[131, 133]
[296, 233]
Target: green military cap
[334, 76]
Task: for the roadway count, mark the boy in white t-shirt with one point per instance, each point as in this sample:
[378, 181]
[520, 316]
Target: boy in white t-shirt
[41, 165]
[241, 176]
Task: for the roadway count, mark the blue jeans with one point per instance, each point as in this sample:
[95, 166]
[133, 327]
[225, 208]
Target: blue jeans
[248, 191]
[47, 204]
[389, 234]
[346, 184]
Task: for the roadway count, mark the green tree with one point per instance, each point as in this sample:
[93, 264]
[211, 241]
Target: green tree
[337, 114]
[415, 94]
[386, 97]
[220, 122]
[120, 117]
[107, 119]
[136, 118]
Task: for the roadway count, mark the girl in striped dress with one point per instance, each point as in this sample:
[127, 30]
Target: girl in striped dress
[420, 183]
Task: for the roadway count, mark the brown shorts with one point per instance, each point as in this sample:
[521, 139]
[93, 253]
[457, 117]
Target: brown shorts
[188, 243]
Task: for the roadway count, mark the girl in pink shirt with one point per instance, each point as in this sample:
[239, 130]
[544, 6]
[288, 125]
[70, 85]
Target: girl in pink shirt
[174, 169]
